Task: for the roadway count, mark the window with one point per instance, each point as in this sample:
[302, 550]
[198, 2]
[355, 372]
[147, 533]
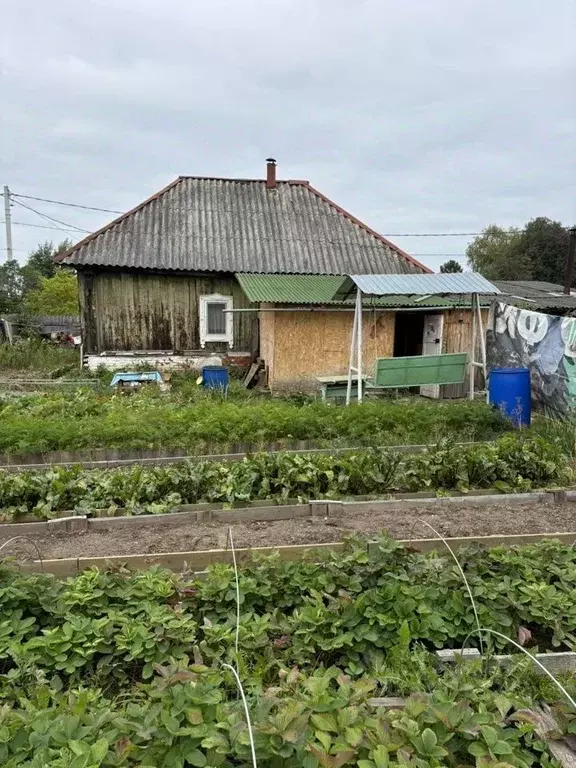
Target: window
[216, 324]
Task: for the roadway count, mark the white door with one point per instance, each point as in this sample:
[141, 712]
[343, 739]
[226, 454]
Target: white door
[432, 345]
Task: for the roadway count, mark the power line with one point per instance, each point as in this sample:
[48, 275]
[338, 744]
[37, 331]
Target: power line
[50, 218]
[441, 234]
[40, 226]
[69, 205]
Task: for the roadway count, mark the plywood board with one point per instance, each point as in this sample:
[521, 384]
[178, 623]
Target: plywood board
[315, 343]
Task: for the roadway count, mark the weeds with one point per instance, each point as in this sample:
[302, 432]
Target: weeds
[36, 355]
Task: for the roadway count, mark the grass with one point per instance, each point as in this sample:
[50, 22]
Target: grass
[38, 356]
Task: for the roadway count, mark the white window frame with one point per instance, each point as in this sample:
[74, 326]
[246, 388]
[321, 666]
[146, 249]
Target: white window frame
[228, 336]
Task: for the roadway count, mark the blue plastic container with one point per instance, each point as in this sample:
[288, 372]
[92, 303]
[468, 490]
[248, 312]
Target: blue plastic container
[215, 377]
[509, 391]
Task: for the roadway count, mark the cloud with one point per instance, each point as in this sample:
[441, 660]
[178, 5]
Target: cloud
[415, 116]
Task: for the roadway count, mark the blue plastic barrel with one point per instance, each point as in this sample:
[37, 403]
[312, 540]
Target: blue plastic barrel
[215, 377]
[509, 391]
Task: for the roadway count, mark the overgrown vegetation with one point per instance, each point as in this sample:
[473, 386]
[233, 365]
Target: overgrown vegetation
[37, 356]
[118, 669]
[512, 463]
[197, 423]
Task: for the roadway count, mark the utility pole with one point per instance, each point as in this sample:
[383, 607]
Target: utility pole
[8, 222]
[570, 263]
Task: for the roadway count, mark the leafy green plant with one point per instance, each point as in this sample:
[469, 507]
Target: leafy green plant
[195, 422]
[512, 463]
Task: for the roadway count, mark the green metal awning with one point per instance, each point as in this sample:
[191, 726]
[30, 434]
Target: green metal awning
[321, 289]
[290, 289]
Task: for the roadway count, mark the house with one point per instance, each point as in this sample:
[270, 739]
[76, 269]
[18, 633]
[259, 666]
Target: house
[164, 281]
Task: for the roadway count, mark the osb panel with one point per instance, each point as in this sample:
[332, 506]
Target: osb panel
[317, 343]
[139, 311]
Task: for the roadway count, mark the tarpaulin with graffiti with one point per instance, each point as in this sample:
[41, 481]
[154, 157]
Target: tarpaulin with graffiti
[518, 338]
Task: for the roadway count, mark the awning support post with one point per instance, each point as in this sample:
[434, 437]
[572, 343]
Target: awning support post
[356, 351]
[472, 362]
[477, 326]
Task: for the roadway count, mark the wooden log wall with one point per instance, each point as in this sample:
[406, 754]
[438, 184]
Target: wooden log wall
[127, 311]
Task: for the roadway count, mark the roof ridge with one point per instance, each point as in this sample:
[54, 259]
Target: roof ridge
[241, 180]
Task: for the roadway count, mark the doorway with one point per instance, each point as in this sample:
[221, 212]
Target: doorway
[408, 334]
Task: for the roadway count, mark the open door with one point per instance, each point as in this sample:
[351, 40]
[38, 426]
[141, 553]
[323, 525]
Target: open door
[432, 345]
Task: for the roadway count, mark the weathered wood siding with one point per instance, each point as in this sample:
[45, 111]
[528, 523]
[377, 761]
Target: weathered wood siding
[458, 338]
[298, 346]
[127, 311]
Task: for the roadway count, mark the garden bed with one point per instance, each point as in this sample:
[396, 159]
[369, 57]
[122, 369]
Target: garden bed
[505, 517]
[117, 669]
[512, 463]
[189, 420]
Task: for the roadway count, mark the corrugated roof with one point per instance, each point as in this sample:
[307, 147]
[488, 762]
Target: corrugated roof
[321, 289]
[227, 225]
[418, 285]
[290, 289]
[537, 294]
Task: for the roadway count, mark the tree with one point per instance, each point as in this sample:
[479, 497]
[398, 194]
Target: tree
[545, 246]
[536, 252]
[40, 263]
[450, 266]
[496, 254]
[11, 287]
[57, 295]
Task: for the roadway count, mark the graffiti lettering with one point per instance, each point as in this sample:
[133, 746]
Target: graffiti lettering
[506, 320]
[532, 326]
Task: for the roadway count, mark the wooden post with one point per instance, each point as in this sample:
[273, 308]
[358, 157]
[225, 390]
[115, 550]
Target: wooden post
[482, 331]
[352, 345]
[359, 350]
[472, 350]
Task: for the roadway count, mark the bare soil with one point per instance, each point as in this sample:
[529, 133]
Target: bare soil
[469, 521]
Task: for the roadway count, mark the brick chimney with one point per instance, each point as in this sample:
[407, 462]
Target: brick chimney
[270, 173]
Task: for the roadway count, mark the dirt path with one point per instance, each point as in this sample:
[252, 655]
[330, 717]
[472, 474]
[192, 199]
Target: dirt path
[471, 521]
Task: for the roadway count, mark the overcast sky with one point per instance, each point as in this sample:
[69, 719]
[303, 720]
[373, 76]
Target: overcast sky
[416, 116]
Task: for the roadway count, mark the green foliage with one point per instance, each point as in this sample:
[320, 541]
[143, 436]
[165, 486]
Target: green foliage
[545, 246]
[377, 613]
[187, 717]
[56, 295]
[125, 669]
[511, 463]
[41, 259]
[11, 286]
[450, 266]
[191, 420]
[495, 254]
[36, 355]
[538, 251]
[17, 281]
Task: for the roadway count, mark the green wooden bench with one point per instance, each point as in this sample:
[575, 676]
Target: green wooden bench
[401, 373]
[419, 370]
